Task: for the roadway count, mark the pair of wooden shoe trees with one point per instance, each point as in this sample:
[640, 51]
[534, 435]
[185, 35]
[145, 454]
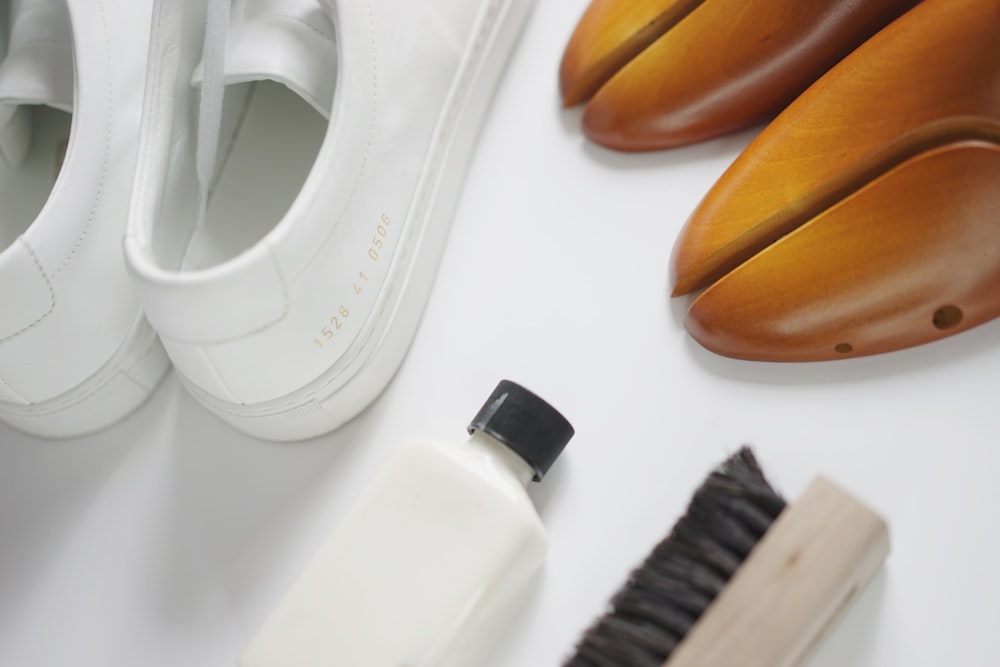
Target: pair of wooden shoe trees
[865, 217]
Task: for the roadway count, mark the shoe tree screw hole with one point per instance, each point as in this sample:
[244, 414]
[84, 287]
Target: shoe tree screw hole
[946, 317]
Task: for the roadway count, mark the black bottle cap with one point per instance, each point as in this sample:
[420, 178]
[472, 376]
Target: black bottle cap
[529, 426]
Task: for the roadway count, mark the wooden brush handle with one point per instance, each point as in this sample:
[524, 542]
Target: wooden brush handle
[815, 559]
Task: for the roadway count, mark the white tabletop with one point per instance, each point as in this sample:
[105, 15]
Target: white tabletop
[165, 540]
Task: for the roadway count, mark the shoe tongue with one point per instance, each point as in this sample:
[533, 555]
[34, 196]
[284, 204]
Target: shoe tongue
[290, 42]
[38, 69]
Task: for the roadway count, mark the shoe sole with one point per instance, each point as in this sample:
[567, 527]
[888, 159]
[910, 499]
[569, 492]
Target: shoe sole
[112, 393]
[363, 372]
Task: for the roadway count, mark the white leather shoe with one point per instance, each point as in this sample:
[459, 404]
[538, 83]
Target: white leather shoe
[342, 142]
[75, 352]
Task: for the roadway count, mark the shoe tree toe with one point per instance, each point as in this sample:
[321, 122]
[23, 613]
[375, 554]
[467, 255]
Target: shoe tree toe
[928, 79]
[912, 257]
[610, 33]
[714, 67]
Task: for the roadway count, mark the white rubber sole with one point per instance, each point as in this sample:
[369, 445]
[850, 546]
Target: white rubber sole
[119, 387]
[364, 370]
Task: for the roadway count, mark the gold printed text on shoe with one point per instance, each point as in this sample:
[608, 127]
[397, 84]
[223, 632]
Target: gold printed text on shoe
[374, 253]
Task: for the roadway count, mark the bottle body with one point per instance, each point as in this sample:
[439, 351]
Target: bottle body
[424, 560]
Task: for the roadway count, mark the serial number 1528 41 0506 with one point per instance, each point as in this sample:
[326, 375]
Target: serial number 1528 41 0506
[358, 284]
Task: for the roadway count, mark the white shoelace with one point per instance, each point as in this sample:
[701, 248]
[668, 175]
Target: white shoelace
[212, 92]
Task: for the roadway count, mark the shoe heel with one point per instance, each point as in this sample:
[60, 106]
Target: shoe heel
[116, 390]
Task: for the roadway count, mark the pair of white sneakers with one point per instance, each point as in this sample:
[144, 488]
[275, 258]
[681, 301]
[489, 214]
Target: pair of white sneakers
[280, 173]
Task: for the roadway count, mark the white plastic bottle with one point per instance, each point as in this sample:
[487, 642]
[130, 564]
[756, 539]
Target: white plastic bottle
[430, 554]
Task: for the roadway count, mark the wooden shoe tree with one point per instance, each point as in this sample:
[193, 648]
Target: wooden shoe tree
[664, 73]
[866, 217]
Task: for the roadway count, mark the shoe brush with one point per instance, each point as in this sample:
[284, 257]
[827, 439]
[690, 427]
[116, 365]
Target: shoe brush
[742, 579]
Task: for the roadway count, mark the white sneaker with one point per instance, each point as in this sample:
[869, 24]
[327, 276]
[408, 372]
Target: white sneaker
[75, 352]
[343, 140]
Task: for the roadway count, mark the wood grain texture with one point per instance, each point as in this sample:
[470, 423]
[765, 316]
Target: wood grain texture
[716, 66]
[610, 33]
[911, 258]
[866, 217]
[930, 78]
[812, 563]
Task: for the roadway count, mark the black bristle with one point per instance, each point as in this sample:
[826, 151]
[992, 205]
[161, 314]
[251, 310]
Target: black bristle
[663, 597]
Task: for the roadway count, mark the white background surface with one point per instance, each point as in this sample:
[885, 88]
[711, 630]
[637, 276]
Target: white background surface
[167, 539]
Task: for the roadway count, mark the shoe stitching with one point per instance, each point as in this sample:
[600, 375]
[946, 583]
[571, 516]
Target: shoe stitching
[285, 284]
[447, 126]
[286, 304]
[48, 284]
[142, 387]
[215, 371]
[285, 288]
[458, 100]
[43, 409]
[107, 149]
[310, 26]
[14, 391]
[152, 342]
[285, 292]
[46, 413]
[364, 158]
[350, 198]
